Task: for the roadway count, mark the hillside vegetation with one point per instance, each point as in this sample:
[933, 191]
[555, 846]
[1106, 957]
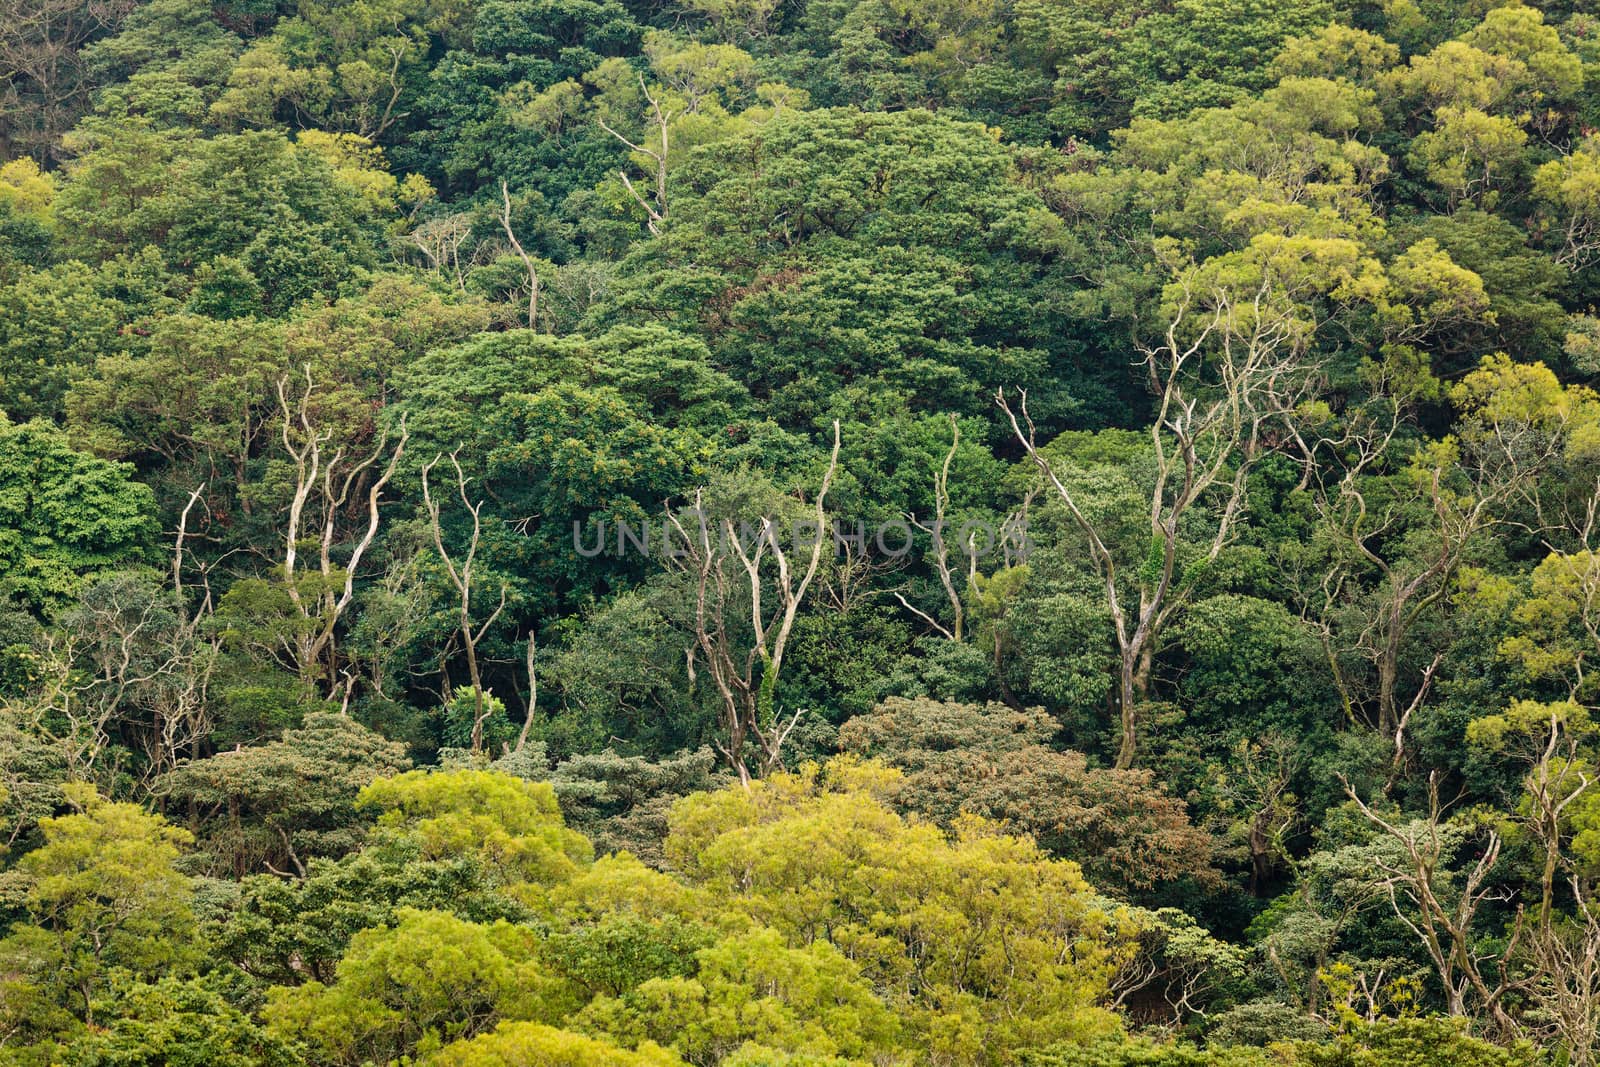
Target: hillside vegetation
[799, 533]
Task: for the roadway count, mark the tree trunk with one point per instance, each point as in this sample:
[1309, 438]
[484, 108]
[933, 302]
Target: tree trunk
[1129, 687]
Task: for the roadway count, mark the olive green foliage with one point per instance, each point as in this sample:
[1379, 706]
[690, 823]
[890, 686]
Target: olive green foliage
[998, 763]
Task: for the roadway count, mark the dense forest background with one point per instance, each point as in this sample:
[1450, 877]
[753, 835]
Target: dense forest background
[394, 667]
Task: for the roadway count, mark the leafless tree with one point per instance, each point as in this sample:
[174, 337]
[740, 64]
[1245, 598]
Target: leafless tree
[527, 260]
[327, 478]
[460, 572]
[941, 548]
[45, 85]
[852, 576]
[130, 661]
[184, 718]
[660, 119]
[441, 240]
[1562, 955]
[1442, 914]
[372, 127]
[1565, 983]
[1220, 383]
[728, 577]
[533, 692]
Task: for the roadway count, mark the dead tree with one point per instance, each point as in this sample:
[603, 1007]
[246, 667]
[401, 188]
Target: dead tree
[527, 260]
[1442, 916]
[326, 479]
[533, 693]
[183, 720]
[1562, 955]
[941, 547]
[661, 119]
[128, 661]
[459, 571]
[729, 577]
[1206, 438]
[440, 241]
[1564, 986]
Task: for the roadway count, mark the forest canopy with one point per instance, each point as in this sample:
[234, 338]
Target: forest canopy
[799, 533]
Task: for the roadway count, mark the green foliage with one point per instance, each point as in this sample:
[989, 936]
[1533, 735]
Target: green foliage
[66, 516]
[621, 803]
[1414, 1043]
[991, 761]
[525, 1044]
[754, 989]
[274, 208]
[1266, 735]
[54, 323]
[461, 713]
[282, 930]
[796, 850]
[513, 825]
[279, 804]
[100, 898]
[177, 1022]
[915, 284]
[428, 980]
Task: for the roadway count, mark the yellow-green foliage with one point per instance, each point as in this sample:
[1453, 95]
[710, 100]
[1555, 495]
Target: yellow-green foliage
[512, 824]
[980, 941]
[532, 1045]
[430, 979]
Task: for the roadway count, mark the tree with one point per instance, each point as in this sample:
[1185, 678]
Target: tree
[460, 575]
[622, 803]
[100, 894]
[978, 941]
[1443, 912]
[522, 254]
[1515, 420]
[64, 516]
[31, 772]
[745, 667]
[1552, 740]
[996, 762]
[1429, 1042]
[279, 804]
[1249, 337]
[327, 474]
[277, 224]
[1179, 960]
[127, 663]
[849, 263]
[656, 148]
[199, 402]
[941, 548]
[54, 323]
[1569, 188]
[513, 825]
[428, 980]
[44, 81]
[286, 931]
[571, 463]
[752, 989]
[175, 1021]
[526, 1044]
[332, 68]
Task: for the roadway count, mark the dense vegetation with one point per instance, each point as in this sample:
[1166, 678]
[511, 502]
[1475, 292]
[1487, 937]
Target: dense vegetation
[799, 533]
